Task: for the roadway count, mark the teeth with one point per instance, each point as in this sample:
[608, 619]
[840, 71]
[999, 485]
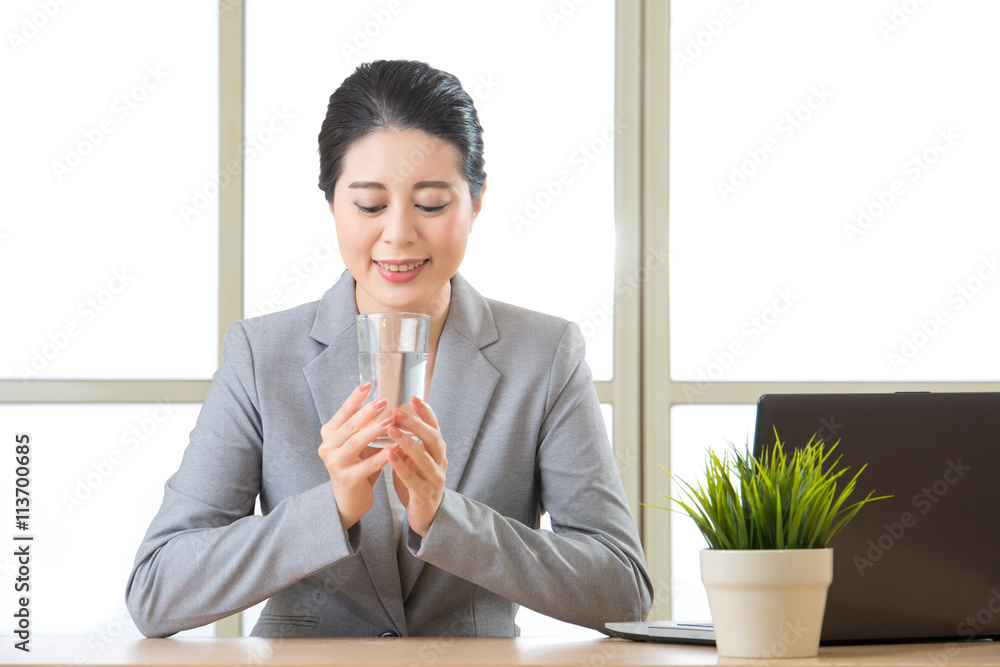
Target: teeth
[401, 267]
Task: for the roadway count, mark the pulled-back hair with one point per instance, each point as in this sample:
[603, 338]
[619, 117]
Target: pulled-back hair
[399, 95]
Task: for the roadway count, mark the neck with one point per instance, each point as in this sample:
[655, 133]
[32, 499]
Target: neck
[437, 307]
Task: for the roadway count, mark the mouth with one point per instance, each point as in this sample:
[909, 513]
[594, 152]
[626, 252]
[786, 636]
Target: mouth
[401, 267]
[400, 271]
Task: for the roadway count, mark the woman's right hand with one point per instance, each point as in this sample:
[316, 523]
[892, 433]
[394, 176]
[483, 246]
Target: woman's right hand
[354, 467]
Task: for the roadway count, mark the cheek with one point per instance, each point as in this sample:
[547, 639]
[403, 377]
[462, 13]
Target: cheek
[450, 237]
[352, 236]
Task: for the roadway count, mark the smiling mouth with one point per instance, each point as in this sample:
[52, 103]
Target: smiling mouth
[400, 267]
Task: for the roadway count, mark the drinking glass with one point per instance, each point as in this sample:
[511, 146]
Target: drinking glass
[392, 355]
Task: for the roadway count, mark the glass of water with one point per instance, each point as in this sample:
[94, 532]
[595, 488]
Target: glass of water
[392, 355]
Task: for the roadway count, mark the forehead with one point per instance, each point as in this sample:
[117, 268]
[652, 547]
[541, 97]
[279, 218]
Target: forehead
[401, 157]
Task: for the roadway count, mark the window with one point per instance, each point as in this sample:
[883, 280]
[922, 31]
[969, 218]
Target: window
[831, 219]
[127, 246]
[110, 225]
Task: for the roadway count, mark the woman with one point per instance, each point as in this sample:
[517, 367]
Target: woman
[448, 543]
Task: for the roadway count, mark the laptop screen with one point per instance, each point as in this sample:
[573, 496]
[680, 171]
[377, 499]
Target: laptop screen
[924, 564]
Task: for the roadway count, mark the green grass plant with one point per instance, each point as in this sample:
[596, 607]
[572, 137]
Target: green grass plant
[778, 501]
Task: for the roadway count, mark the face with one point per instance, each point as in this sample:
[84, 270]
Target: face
[403, 214]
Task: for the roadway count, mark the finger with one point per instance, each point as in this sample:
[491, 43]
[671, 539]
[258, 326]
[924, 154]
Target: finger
[350, 406]
[366, 415]
[416, 485]
[429, 435]
[342, 447]
[404, 470]
[354, 445]
[423, 410]
[369, 468]
[418, 457]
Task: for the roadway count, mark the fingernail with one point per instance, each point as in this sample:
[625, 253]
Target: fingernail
[400, 415]
[418, 400]
[365, 387]
[386, 422]
[395, 432]
[380, 403]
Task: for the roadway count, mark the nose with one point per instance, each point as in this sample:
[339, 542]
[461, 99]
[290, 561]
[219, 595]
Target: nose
[399, 228]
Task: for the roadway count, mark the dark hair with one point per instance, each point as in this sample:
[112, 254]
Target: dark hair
[400, 95]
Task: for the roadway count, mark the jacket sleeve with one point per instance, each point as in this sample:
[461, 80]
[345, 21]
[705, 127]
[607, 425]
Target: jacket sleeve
[206, 555]
[590, 568]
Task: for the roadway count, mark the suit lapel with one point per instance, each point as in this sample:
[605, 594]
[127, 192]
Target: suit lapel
[461, 390]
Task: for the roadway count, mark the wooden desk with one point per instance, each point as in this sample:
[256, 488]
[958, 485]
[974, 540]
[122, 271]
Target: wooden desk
[442, 651]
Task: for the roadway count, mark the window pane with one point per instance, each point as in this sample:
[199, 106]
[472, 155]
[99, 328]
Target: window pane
[96, 481]
[694, 431]
[110, 133]
[832, 191]
[545, 239]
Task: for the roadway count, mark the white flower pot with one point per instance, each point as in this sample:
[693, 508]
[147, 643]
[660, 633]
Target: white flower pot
[767, 603]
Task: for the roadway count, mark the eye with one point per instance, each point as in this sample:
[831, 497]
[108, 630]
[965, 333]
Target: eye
[369, 210]
[432, 209]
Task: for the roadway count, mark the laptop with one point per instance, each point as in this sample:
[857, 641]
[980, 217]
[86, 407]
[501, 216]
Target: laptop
[923, 565]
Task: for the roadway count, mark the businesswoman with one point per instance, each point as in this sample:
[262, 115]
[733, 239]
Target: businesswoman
[437, 534]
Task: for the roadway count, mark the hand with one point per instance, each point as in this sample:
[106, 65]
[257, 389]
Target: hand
[354, 467]
[418, 469]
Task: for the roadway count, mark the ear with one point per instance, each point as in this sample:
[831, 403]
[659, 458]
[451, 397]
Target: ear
[331, 207]
[477, 205]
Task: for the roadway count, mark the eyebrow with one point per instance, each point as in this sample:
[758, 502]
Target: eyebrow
[375, 185]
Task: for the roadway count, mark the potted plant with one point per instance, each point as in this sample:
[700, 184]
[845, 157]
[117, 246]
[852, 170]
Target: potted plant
[769, 522]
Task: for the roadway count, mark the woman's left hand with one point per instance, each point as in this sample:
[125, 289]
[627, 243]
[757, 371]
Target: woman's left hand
[418, 467]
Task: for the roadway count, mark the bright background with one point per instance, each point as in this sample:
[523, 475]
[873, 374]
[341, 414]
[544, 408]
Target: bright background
[108, 269]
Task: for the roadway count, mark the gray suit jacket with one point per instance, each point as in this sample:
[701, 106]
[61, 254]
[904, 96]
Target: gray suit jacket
[524, 434]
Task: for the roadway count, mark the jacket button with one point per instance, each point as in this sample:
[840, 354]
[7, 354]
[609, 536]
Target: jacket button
[388, 633]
